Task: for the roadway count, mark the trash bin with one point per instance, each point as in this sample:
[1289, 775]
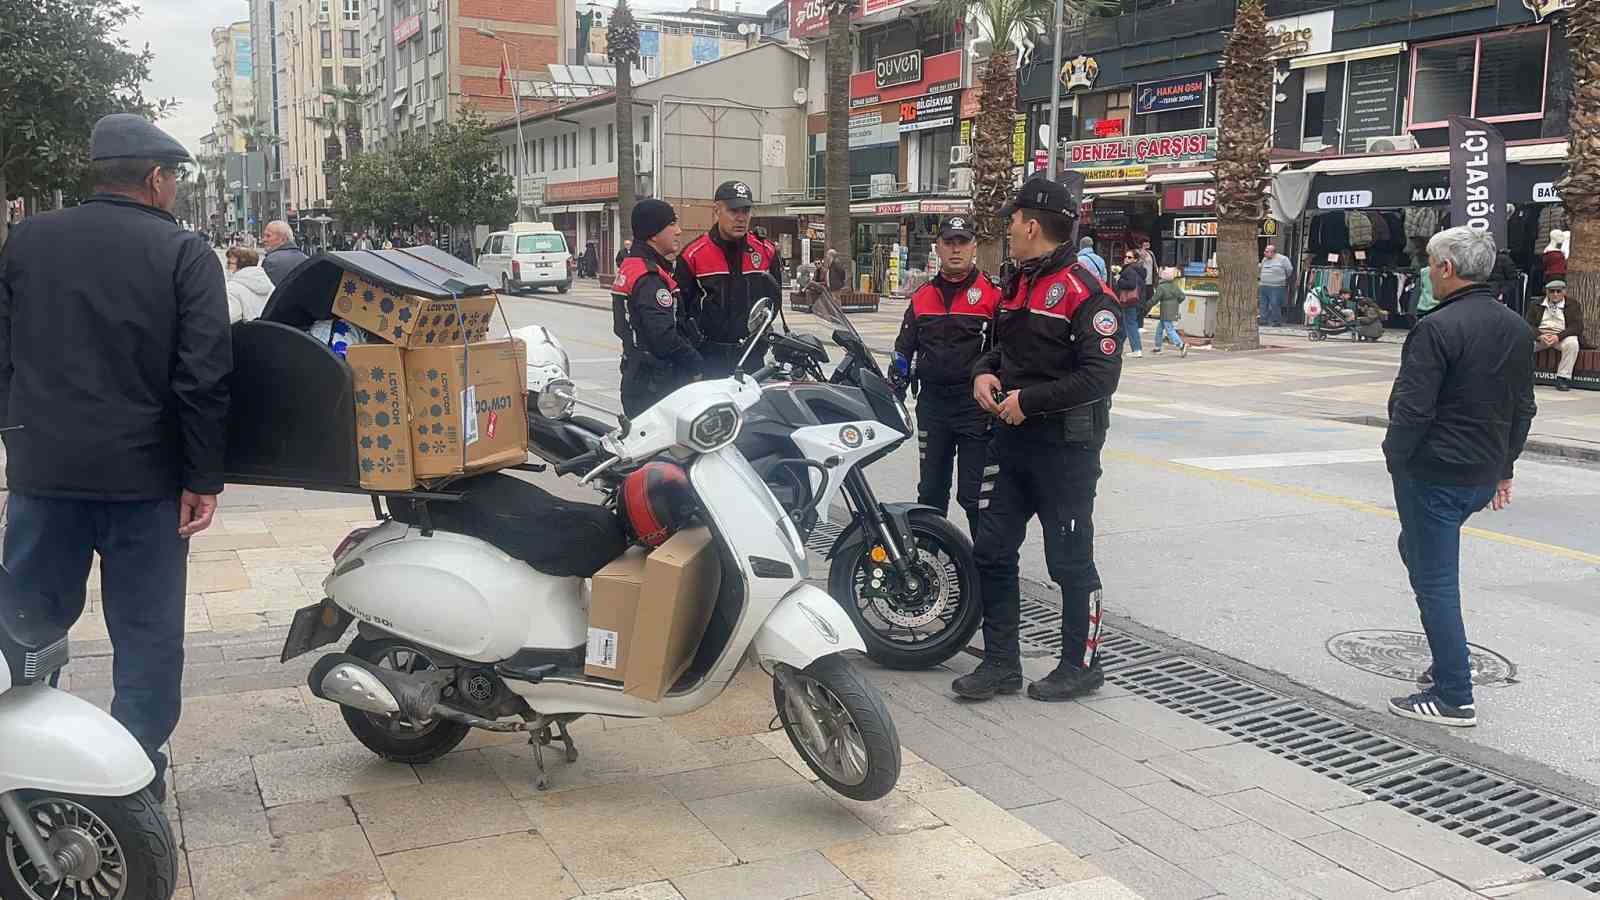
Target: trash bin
[1198, 315]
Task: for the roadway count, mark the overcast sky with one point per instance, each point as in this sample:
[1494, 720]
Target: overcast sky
[179, 33]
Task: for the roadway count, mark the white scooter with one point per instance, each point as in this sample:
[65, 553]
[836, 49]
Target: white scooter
[454, 633]
[77, 822]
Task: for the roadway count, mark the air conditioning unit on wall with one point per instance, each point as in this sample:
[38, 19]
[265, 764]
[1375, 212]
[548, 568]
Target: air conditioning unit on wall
[961, 155]
[644, 157]
[1391, 143]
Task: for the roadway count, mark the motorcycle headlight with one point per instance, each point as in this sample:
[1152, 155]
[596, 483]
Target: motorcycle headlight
[715, 428]
[557, 399]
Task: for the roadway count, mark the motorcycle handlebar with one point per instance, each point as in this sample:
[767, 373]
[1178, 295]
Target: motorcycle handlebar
[583, 462]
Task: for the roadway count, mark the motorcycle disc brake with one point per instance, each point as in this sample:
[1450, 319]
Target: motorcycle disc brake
[899, 606]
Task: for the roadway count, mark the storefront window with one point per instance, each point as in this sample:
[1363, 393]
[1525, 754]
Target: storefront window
[906, 34]
[1498, 77]
[1093, 108]
[933, 159]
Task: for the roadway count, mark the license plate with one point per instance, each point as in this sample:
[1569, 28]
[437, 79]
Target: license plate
[317, 625]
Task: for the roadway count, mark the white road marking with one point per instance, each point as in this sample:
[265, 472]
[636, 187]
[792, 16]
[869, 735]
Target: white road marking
[1136, 413]
[1283, 460]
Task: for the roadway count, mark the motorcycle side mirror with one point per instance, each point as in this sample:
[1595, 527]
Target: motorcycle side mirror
[759, 313]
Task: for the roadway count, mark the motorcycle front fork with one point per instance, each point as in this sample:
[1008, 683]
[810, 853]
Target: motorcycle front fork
[894, 536]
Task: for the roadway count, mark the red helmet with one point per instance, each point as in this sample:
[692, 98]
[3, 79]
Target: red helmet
[655, 501]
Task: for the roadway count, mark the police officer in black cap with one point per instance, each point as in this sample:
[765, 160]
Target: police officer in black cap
[714, 272]
[114, 347]
[1048, 381]
[657, 355]
[947, 327]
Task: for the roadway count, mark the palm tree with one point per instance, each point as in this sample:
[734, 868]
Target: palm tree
[257, 133]
[1580, 190]
[1243, 99]
[622, 48]
[836, 164]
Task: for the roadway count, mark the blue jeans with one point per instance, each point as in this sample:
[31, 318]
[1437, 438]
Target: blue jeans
[1271, 299]
[1168, 330]
[49, 545]
[1431, 516]
[1130, 326]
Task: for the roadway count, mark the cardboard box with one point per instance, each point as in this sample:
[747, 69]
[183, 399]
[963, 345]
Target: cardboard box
[468, 407]
[613, 607]
[408, 320]
[383, 441]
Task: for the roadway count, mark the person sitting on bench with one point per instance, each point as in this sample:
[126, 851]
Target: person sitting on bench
[1558, 324]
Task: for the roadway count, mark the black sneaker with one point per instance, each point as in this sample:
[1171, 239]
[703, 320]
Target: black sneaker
[987, 680]
[1067, 682]
[1425, 707]
[1425, 680]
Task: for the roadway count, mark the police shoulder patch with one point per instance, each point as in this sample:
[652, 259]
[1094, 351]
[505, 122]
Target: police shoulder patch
[1054, 295]
[755, 260]
[664, 298]
[1105, 322]
[974, 295]
[1108, 346]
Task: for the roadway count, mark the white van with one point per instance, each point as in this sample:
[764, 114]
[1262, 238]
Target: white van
[528, 255]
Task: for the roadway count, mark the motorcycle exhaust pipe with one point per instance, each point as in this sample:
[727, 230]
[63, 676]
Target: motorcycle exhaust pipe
[351, 681]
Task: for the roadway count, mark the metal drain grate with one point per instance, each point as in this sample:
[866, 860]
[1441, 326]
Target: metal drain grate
[1041, 631]
[1323, 744]
[1493, 811]
[1195, 690]
[1041, 625]
[1118, 650]
[821, 539]
[1578, 863]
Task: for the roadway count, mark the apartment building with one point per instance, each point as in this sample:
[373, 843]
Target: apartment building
[232, 83]
[319, 48]
[264, 63]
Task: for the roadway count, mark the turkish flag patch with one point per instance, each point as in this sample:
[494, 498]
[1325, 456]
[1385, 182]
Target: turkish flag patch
[1108, 346]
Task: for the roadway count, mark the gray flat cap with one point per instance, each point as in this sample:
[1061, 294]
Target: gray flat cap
[128, 136]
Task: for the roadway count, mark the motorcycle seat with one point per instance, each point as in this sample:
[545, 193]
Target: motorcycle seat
[555, 536]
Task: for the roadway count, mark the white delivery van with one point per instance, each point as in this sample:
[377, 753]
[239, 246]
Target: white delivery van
[528, 255]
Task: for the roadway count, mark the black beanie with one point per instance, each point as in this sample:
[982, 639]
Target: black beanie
[651, 217]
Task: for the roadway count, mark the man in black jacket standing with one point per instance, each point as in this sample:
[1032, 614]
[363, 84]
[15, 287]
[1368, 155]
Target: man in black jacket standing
[1459, 415]
[112, 371]
[646, 315]
[715, 271]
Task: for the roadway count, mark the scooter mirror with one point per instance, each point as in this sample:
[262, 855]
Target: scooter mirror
[759, 312]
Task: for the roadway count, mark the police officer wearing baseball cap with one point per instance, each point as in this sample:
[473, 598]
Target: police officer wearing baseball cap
[714, 272]
[1048, 382]
[657, 355]
[114, 347]
[947, 327]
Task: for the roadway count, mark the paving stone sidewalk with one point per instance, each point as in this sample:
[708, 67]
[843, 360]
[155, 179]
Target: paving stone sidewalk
[1112, 798]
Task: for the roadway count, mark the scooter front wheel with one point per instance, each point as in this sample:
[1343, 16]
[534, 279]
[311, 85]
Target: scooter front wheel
[837, 721]
[116, 847]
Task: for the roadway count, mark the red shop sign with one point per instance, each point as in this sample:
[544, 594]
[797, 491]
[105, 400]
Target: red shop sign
[939, 74]
[809, 18]
[1176, 198]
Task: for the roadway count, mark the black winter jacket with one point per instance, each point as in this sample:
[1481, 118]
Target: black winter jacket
[947, 326]
[1462, 404]
[114, 350]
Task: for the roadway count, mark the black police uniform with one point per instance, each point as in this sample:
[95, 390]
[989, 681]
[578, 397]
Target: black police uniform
[657, 356]
[1058, 342]
[717, 290]
[947, 327]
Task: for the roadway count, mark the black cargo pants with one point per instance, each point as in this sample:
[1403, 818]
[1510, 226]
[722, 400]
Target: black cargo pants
[952, 434]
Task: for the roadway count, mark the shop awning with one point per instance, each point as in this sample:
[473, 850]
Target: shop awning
[573, 208]
[1183, 177]
[1341, 56]
[803, 210]
[1543, 152]
[1118, 190]
[1419, 179]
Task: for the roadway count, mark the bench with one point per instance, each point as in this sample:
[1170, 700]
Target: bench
[1585, 375]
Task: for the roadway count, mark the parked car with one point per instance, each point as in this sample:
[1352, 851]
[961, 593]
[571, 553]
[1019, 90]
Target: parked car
[529, 255]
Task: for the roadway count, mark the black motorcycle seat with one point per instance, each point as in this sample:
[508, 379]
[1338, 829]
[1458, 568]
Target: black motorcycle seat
[558, 537]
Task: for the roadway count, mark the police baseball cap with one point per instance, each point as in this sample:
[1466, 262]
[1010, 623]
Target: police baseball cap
[735, 194]
[1039, 192]
[129, 136]
[956, 227]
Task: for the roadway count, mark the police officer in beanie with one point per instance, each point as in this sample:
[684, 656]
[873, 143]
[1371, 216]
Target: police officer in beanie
[657, 355]
[1049, 381]
[112, 369]
[714, 272]
[947, 328]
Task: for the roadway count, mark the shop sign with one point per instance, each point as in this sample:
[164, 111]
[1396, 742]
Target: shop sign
[900, 68]
[874, 135]
[971, 101]
[1543, 8]
[1429, 193]
[589, 189]
[1344, 200]
[1110, 127]
[1304, 35]
[1371, 100]
[936, 74]
[809, 18]
[1019, 140]
[1174, 93]
[1269, 227]
[1172, 147]
[533, 189]
[406, 29]
[1116, 173]
[1192, 229]
[924, 113]
[966, 133]
[945, 207]
[1189, 198]
[1546, 192]
[1080, 73]
[896, 209]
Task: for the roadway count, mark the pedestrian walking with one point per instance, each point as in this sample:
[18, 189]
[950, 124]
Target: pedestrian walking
[647, 315]
[945, 331]
[1168, 298]
[1091, 259]
[249, 288]
[282, 256]
[112, 370]
[1273, 292]
[714, 273]
[1459, 414]
[1049, 380]
[1147, 262]
[1130, 295]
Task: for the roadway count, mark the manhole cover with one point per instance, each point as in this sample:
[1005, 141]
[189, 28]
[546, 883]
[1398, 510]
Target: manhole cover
[1403, 655]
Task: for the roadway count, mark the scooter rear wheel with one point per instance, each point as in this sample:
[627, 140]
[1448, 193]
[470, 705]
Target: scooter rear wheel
[123, 846]
[837, 721]
[393, 737]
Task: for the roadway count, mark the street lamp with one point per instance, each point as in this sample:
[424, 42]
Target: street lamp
[516, 107]
[1055, 98]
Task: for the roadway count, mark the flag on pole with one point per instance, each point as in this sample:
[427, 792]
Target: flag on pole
[505, 69]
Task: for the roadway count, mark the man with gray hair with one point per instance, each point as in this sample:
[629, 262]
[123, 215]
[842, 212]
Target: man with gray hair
[1459, 414]
[1092, 260]
[282, 254]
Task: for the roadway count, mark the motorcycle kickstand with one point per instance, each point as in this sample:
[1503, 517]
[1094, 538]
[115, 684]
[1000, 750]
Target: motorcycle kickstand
[541, 737]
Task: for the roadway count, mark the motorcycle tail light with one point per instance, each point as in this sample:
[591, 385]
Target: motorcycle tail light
[351, 540]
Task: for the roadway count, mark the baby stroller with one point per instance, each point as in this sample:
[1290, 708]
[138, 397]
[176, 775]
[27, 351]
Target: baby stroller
[1326, 315]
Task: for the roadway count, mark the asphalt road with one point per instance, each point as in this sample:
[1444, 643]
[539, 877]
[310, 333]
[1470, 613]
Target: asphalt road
[1261, 529]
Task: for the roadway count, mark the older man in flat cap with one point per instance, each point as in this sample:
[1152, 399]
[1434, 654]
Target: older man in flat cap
[114, 347]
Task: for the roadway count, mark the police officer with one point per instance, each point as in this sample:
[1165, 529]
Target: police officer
[717, 290]
[946, 329]
[657, 355]
[1049, 381]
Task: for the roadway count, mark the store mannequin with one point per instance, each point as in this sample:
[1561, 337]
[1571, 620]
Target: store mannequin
[1555, 255]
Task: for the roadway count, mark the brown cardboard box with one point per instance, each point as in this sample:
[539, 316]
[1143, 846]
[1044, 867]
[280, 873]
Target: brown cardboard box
[613, 606]
[488, 379]
[408, 320]
[383, 442]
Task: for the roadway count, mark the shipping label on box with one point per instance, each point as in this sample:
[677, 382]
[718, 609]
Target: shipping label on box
[467, 405]
[383, 444]
[408, 320]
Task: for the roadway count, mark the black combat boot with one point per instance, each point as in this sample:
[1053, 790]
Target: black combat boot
[1068, 682]
[987, 680]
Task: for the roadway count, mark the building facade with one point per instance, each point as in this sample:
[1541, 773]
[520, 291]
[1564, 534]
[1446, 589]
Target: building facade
[318, 50]
[264, 64]
[232, 83]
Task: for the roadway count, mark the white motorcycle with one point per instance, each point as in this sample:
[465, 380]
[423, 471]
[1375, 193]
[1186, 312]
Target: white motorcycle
[455, 633]
[77, 821]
